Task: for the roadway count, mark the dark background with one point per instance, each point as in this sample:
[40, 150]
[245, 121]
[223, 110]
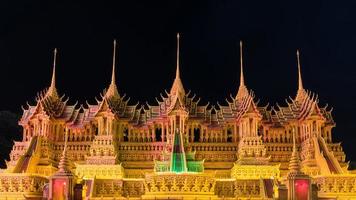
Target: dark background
[324, 31]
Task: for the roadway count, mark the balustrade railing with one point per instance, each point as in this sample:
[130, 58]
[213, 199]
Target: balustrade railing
[333, 185]
[22, 183]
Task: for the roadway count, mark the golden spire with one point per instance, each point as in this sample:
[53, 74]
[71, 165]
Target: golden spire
[177, 70]
[294, 165]
[113, 64]
[242, 88]
[53, 82]
[52, 91]
[177, 87]
[301, 92]
[112, 90]
[242, 80]
[300, 81]
[64, 163]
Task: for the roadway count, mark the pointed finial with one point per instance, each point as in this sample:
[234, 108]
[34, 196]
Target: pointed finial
[242, 80]
[301, 93]
[65, 142]
[294, 145]
[242, 91]
[113, 64]
[52, 91]
[112, 90]
[53, 81]
[300, 81]
[294, 163]
[63, 165]
[177, 70]
[177, 87]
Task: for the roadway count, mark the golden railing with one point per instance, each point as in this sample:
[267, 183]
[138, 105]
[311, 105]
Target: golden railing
[21, 183]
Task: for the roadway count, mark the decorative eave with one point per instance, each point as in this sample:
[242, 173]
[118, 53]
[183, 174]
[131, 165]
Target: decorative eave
[239, 107]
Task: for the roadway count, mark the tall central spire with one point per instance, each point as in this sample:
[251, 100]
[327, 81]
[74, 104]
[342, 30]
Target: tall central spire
[112, 90]
[242, 79]
[242, 88]
[53, 81]
[177, 70]
[177, 87]
[301, 92]
[300, 81]
[113, 64]
[52, 91]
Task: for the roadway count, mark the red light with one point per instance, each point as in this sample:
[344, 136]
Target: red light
[301, 189]
[58, 189]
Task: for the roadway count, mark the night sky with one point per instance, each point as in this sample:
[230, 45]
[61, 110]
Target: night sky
[323, 30]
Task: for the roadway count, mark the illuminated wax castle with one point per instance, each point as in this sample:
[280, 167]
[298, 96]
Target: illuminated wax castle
[176, 149]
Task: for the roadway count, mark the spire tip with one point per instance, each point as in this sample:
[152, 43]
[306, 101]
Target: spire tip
[53, 81]
[242, 91]
[300, 80]
[178, 49]
[113, 64]
[52, 91]
[112, 90]
[242, 79]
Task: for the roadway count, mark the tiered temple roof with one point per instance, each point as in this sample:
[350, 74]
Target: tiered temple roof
[238, 145]
[242, 103]
[303, 105]
[49, 102]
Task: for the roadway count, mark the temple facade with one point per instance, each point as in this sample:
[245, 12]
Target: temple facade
[177, 148]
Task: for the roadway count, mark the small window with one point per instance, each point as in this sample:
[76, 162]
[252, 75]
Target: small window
[158, 133]
[196, 134]
[126, 135]
[229, 135]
